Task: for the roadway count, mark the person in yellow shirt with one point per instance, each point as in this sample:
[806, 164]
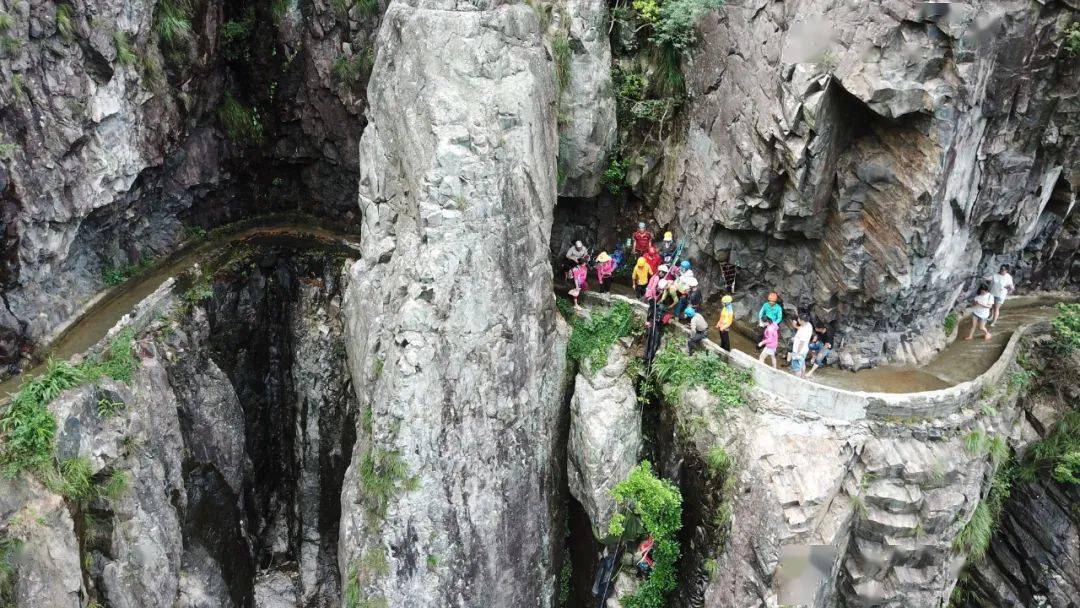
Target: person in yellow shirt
[727, 318]
[640, 276]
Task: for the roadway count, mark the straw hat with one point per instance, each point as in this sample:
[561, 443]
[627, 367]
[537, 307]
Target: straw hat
[603, 257]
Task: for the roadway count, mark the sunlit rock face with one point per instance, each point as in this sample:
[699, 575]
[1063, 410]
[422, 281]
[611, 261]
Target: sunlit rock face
[454, 347]
[871, 161]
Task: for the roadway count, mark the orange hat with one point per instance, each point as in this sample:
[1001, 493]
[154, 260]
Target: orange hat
[773, 297]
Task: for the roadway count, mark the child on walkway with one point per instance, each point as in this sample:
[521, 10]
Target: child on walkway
[800, 345]
[980, 312]
[640, 276]
[580, 274]
[771, 341]
[727, 318]
[771, 311]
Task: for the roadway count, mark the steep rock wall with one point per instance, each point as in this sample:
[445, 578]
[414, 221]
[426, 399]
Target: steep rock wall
[454, 345]
[871, 159]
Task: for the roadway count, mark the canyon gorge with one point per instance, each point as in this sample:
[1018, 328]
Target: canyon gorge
[284, 320]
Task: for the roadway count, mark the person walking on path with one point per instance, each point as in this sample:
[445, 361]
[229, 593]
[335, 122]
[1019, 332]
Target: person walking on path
[1000, 287]
[642, 240]
[800, 345]
[771, 311]
[821, 345]
[576, 254]
[605, 267]
[640, 276]
[770, 342]
[980, 312]
[727, 319]
[699, 330]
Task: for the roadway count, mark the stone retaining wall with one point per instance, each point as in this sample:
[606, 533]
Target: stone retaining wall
[849, 405]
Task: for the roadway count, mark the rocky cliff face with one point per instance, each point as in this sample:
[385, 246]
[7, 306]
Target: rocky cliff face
[871, 160]
[230, 446]
[118, 127]
[454, 346]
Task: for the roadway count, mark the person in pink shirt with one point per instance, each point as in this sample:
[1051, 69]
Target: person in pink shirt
[605, 267]
[580, 273]
[770, 342]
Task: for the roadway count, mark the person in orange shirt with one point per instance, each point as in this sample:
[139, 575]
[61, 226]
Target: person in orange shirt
[727, 318]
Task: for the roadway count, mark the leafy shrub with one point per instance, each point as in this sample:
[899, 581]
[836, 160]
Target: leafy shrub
[125, 54]
[593, 337]
[949, 323]
[676, 22]
[17, 88]
[351, 70]
[235, 34]
[657, 504]
[8, 548]
[676, 372]
[239, 121]
[115, 485]
[614, 177]
[648, 9]
[75, 480]
[630, 86]
[1067, 328]
[1072, 38]
[65, 24]
[368, 7]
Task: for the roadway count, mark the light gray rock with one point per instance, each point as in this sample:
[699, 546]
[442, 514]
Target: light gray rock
[872, 161]
[453, 341]
[587, 126]
[605, 435]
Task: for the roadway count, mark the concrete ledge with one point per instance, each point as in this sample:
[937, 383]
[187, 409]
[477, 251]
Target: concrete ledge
[842, 404]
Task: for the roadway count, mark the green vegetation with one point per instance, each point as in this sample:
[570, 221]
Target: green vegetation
[859, 505]
[974, 538]
[1020, 380]
[8, 548]
[614, 177]
[9, 44]
[675, 24]
[368, 7]
[74, 480]
[65, 25]
[350, 71]
[17, 88]
[1067, 328]
[202, 290]
[1072, 38]
[560, 48]
[5, 21]
[342, 7]
[374, 561]
[980, 442]
[240, 122]
[676, 372]
[114, 485]
[278, 8]
[174, 22]
[593, 337]
[382, 472]
[949, 324]
[107, 408]
[718, 460]
[6, 150]
[28, 428]
[115, 275]
[235, 35]
[194, 233]
[1058, 454]
[432, 561]
[657, 505]
[125, 54]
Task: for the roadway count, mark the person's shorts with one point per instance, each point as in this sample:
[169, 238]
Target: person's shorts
[770, 351]
[797, 364]
[980, 317]
[999, 301]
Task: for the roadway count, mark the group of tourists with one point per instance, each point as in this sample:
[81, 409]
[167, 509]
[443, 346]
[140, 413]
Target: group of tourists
[668, 285]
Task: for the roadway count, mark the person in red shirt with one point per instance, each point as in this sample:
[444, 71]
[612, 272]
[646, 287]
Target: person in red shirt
[642, 239]
[653, 258]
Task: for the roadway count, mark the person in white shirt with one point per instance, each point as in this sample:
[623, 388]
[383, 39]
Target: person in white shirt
[1001, 287]
[980, 312]
[800, 345]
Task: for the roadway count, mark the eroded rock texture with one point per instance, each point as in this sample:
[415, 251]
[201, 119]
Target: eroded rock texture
[870, 159]
[109, 152]
[453, 340]
[605, 434]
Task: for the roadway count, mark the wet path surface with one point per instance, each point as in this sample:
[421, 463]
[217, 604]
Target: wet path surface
[959, 362]
[93, 323]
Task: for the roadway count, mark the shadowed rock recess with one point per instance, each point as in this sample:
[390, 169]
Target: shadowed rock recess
[389, 411]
